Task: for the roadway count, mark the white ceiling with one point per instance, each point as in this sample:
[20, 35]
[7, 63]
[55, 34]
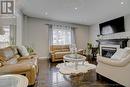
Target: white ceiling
[89, 11]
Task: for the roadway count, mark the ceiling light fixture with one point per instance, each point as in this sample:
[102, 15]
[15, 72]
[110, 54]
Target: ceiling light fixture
[122, 3]
[46, 13]
[76, 8]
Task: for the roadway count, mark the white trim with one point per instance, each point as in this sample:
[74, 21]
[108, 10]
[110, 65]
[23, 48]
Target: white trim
[114, 46]
[43, 57]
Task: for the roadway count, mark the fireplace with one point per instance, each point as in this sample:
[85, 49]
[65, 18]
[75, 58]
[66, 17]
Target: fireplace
[109, 46]
[108, 51]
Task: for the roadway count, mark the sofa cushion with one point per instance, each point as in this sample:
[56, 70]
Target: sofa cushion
[120, 53]
[7, 53]
[62, 52]
[14, 48]
[23, 51]
[58, 47]
[65, 50]
[127, 48]
[12, 61]
[31, 60]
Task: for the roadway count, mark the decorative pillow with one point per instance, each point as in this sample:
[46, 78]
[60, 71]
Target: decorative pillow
[23, 51]
[6, 53]
[14, 48]
[120, 53]
[127, 48]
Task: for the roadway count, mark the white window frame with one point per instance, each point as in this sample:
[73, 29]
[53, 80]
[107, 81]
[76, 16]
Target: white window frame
[61, 36]
[5, 39]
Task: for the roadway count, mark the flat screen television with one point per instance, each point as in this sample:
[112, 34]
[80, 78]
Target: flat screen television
[112, 26]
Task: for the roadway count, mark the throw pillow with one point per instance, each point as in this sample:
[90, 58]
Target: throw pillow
[127, 48]
[23, 51]
[120, 53]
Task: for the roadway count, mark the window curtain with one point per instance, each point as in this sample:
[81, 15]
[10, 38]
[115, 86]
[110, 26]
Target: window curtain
[12, 34]
[73, 40]
[54, 30]
[50, 35]
[7, 35]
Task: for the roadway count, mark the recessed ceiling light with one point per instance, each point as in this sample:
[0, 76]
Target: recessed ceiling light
[76, 8]
[46, 13]
[122, 3]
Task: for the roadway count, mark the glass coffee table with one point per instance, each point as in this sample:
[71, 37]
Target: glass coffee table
[77, 70]
[75, 58]
[13, 80]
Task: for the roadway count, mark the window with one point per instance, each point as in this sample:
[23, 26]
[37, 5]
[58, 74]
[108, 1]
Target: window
[61, 36]
[5, 37]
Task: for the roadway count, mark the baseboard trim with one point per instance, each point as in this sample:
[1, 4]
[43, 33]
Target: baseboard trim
[43, 57]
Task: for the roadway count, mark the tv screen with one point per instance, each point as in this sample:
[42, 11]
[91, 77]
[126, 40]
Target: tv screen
[112, 26]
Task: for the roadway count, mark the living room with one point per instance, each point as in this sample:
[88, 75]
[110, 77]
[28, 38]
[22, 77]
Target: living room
[63, 43]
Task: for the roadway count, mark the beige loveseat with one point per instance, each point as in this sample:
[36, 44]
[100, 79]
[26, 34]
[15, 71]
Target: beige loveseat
[58, 51]
[12, 63]
[116, 70]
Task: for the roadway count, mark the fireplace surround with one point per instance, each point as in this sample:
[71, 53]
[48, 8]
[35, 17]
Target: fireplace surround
[109, 46]
[108, 51]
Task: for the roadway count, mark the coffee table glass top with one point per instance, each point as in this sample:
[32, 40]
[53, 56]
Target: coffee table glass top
[74, 57]
[13, 80]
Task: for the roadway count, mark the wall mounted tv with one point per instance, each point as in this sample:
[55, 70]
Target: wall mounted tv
[112, 26]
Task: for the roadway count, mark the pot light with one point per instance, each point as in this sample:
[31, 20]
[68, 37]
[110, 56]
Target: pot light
[76, 8]
[122, 3]
[46, 13]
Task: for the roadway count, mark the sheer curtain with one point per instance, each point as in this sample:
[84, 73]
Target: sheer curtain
[61, 35]
[73, 40]
[12, 34]
[7, 35]
[50, 35]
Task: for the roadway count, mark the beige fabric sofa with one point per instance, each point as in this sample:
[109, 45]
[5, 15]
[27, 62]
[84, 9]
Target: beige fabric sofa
[58, 51]
[12, 63]
[116, 70]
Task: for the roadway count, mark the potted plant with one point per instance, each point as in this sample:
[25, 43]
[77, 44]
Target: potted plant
[89, 47]
[30, 49]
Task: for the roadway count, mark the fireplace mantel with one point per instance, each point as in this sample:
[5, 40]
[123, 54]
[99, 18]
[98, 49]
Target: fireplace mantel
[122, 42]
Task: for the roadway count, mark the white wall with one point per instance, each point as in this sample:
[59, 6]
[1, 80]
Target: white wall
[35, 34]
[81, 37]
[94, 31]
[19, 27]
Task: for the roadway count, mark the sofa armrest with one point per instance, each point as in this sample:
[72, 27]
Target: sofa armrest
[52, 52]
[23, 58]
[15, 68]
[118, 63]
[27, 57]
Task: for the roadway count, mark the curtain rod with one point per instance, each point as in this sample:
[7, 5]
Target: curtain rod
[61, 25]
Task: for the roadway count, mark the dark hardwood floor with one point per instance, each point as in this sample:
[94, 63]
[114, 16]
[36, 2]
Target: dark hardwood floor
[50, 77]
